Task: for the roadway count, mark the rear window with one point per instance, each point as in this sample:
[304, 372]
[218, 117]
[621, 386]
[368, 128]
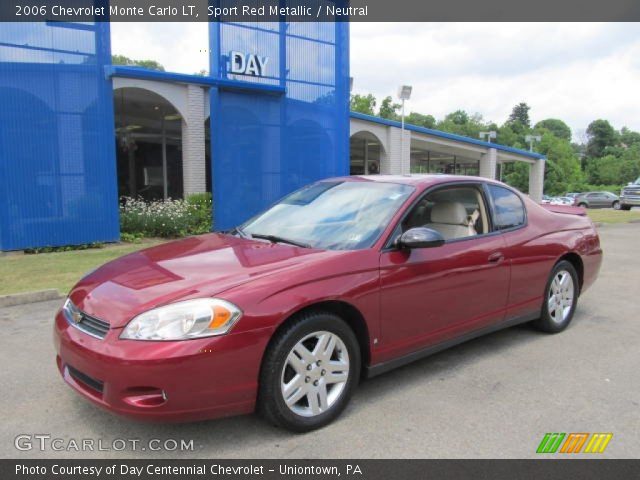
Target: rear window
[508, 208]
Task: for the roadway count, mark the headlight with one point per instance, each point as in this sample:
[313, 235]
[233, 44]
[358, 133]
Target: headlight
[203, 317]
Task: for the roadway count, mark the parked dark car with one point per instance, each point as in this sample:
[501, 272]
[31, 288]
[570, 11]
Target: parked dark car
[630, 196]
[347, 275]
[597, 200]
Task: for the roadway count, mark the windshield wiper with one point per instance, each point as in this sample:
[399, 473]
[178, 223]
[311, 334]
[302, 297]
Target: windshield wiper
[277, 239]
[241, 233]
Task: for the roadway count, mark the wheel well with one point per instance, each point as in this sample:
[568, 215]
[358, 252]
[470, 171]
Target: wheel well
[350, 314]
[575, 260]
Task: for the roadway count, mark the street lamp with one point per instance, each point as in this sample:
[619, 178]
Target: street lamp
[531, 139]
[404, 93]
[490, 135]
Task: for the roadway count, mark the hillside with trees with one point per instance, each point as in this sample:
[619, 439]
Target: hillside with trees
[607, 159]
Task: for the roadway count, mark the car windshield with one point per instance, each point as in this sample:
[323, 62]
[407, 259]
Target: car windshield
[331, 215]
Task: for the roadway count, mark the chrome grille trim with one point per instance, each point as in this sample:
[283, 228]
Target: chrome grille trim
[91, 326]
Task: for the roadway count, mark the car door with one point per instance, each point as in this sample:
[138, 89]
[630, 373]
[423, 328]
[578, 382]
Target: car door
[597, 200]
[430, 295]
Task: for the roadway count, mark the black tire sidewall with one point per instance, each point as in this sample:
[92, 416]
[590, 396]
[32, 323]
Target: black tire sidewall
[271, 401]
[546, 323]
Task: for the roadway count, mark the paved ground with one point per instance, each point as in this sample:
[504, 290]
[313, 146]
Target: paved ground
[492, 397]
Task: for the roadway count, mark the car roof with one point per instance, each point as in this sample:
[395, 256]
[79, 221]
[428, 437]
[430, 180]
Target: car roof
[413, 179]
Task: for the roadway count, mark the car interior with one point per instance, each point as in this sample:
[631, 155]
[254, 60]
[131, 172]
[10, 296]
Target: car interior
[455, 212]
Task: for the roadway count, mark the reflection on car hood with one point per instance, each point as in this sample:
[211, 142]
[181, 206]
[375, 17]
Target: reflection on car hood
[196, 266]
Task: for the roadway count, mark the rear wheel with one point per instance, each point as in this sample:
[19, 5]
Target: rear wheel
[560, 298]
[309, 372]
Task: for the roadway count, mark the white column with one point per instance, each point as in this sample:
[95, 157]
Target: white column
[399, 158]
[488, 164]
[193, 143]
[536, 180]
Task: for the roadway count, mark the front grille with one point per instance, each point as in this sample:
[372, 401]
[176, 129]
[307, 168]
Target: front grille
[85, 379]
[91, 325]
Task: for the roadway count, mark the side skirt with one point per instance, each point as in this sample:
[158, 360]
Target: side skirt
[375, 370]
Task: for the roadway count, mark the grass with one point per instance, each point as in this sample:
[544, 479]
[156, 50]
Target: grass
[61, 270]
[607, 215]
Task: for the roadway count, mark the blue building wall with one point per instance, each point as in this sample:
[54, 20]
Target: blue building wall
[58, 179]
[266, 145]
[57, 154]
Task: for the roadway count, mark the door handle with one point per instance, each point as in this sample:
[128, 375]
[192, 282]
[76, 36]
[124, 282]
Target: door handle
[496, 257]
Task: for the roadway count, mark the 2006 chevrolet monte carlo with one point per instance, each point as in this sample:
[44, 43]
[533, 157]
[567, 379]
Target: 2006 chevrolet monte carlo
[344, 278]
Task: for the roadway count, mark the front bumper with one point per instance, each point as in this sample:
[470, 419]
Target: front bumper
[173, 381]
[630, 200]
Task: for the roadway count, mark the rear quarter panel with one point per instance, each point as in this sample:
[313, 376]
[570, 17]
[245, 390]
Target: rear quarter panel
[535, 249]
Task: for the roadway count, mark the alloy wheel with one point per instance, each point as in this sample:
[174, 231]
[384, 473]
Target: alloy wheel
[561, 293]
[315, 374]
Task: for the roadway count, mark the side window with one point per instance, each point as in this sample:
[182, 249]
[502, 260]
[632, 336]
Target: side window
[508, 208]
[456, 212]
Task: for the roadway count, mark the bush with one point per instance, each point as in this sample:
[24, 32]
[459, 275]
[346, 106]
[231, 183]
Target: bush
[64, 248]
[168, 218]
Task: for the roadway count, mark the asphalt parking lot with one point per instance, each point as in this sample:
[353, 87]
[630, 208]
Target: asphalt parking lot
[493, 397]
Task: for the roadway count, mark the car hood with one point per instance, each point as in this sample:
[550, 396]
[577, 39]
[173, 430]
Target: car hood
[201, 266]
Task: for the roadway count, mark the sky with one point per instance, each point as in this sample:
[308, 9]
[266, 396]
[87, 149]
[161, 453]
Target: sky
[577, 72]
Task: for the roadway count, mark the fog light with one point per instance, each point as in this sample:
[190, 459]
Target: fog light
[145, 397]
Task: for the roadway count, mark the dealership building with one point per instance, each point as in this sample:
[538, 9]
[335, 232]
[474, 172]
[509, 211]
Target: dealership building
[77, 133]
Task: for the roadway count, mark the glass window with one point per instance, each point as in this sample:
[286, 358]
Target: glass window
[332, 215]
[454, 212]
[508, 208]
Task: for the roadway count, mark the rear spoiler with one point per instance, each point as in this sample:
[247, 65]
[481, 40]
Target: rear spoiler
[568, 209]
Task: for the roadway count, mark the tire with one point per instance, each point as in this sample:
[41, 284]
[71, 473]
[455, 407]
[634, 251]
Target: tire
[304, 373]
[616, 205]
[583, 205]
[625, 207]
[556, 320]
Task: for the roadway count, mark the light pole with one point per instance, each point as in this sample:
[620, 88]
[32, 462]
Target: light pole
[531, 139]
[490, 135]
[404, 93]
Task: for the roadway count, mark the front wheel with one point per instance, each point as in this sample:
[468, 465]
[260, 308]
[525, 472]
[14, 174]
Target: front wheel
[625, 207]
[616, 205]
[560, 298]
[309, 372]
[583, 205]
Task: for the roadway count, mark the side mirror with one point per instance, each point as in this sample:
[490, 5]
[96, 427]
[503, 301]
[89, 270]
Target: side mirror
[420, 237]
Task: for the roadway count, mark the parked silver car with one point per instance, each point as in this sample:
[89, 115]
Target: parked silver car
[597, 200]
[630, 196]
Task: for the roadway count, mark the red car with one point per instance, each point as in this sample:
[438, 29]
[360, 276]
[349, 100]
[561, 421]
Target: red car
[344, 278]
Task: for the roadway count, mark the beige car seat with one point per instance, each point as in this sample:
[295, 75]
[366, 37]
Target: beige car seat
[451, 220]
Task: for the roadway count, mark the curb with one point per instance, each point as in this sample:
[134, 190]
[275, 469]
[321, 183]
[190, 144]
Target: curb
[29, 297]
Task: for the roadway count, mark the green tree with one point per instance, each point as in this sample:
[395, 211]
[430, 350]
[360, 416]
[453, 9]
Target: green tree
[389, 110]
[461, 123]
[520, 115]
[556, 127]
[149, 64]
[628, 137]
[563, 172]
[517, 175]
[363, 104]
[426, 121]
[600, 135]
